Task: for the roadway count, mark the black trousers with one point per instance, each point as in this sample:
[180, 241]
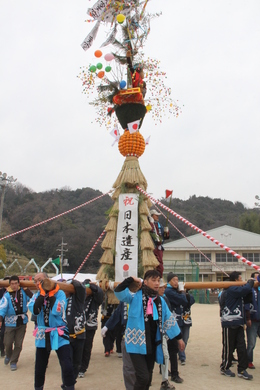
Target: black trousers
[234, 338]
[143, 366]
[108, 341]
[87, 348]
[118, 334]
[173, 354]
[76, 352]
[2, 332]
[41, 362]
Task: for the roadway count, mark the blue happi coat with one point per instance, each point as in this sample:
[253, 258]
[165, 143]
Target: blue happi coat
[135, 338]
[57, 322]
[7, 310]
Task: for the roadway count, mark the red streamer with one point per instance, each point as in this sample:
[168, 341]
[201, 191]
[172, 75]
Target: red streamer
[52, 218]
[226, 248]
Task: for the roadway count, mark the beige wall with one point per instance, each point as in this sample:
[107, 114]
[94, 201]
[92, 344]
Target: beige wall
[178, 262]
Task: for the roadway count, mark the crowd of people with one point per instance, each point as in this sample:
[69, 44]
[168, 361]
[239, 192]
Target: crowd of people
[150, 324]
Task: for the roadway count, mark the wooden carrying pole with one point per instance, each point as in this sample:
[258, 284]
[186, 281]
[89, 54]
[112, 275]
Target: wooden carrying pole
[69, 288]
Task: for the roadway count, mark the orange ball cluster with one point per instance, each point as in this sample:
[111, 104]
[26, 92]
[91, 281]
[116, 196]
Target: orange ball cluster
[131, 144]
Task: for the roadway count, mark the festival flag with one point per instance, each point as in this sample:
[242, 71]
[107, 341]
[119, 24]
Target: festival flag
[147, 140]
[88, 41]
[133, 126]
[168, 193]
[98, 9]
[56, 261]
[115, 134]
[126, 257]
[111, 37]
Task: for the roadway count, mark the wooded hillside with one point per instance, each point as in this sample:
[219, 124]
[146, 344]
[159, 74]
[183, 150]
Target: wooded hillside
[81, 228]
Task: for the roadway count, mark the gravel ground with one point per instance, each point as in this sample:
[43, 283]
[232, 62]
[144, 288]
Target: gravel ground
[200, 372]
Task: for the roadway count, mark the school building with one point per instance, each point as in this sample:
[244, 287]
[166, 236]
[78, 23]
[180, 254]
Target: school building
[186, 257]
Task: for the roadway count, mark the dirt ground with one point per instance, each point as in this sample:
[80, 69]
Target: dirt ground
[200, 372]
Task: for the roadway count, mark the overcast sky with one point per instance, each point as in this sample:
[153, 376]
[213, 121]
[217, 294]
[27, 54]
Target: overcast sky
[210, 51]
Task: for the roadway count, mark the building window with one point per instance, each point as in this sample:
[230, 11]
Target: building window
[199, 258]
[225, 258]
[254, 257]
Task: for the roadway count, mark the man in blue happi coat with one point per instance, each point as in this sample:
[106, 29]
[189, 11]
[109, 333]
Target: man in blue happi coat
[148, 318]
[49, 305]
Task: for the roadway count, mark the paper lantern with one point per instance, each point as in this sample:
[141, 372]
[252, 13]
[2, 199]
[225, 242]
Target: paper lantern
[109, 57]
[120, 18]
[98, 53]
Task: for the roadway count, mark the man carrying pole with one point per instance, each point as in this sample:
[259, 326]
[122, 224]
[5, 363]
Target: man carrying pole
[13, 308]
[148, 317]
[49, 305]
[233, 319]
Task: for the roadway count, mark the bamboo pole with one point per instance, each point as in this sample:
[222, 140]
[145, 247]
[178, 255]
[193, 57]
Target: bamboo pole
[69, 288]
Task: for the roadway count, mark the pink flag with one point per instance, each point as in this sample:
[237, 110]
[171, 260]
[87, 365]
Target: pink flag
[133, 126]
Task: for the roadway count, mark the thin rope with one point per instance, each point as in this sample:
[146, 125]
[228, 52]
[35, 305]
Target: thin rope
[52, 218]
[194, 246]
[226, 248]
[90, 252]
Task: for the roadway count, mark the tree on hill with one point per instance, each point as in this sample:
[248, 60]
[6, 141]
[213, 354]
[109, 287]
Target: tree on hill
[3, 258]
[250, 221]
[81, 228]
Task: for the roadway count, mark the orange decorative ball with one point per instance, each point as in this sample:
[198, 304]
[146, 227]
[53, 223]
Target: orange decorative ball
[131, 144]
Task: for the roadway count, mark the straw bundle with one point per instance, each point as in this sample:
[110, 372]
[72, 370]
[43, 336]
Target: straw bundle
[146, 241]
[149, 259]
[144, 223]
[107, 257]
[143, 208]
[131, 174]
[111, 225]
[109, 240]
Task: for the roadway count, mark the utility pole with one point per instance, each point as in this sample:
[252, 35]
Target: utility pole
[62, 250]
[4, 182]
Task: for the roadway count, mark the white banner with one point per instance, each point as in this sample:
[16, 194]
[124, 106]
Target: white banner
[88, 41]
[111, 37]
[98, 9]
[126, 259]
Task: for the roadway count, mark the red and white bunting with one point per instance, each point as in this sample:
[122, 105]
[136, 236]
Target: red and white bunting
[188, 223]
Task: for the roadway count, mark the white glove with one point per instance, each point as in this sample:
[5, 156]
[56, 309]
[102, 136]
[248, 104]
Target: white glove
[104, 331]
[181, 286]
